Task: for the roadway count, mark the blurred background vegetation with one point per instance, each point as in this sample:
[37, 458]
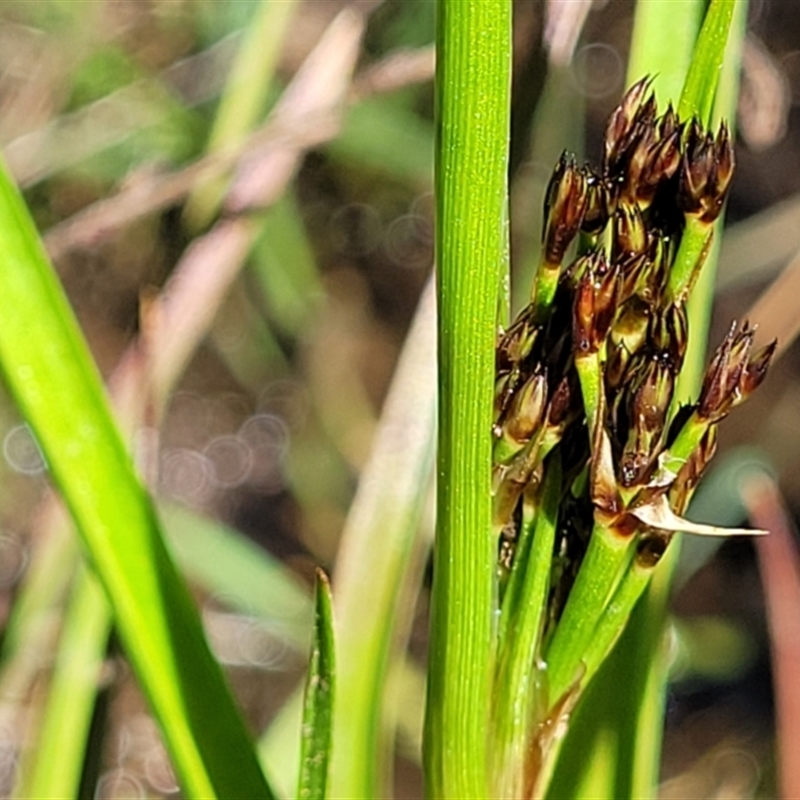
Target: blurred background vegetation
[124, 122]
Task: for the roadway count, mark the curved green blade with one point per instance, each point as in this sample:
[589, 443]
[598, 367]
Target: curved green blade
[51, 376]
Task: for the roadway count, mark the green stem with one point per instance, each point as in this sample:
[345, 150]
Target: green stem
[614, 617]
[590, 374]
[700, 88]
[597, 577]
[544, 289]
[692, 252]
[473, 83]
[517, 686]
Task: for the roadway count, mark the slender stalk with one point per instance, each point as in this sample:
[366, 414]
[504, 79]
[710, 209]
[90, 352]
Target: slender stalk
[473, 83]
[517, 687]
[607, 555]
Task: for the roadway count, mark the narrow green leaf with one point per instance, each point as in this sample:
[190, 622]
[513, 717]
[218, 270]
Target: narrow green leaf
[244, 98]
[473, 81]
[700, 89]
[226, 563]
[316, 739]
[54, 769]
[379, 565]
[386, 136]
[51, 376]
[518, 689]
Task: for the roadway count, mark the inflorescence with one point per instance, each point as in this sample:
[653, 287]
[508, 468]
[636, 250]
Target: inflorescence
[588, 369]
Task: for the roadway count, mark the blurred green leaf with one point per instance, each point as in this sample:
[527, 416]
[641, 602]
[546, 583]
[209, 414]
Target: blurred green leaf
[54, 767]
[240, 573]
[51, 376]
[386, 136]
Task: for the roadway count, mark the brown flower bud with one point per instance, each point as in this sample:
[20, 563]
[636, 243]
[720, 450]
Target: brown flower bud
[661, 163]
[680, 493]
[647, 416]
[517, 342]
[601, 202]
[633, 271]
[621, 129]
[594, 305]
[668, 123]
[630, 232]
[723, 174]
[642, 141]
[706, 172]
[527, 408]
[560, 403]
[669, 334]
[565, 204]
[721, 384]
[756, 370]
[627, 336]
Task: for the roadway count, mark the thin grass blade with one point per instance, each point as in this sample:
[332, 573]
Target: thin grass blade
[316, 738]
[56, 386]
[56, 763]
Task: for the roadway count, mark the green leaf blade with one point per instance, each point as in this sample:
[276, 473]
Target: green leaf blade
[473, 84]
[700, 88]
[50, 374]
[316, 738]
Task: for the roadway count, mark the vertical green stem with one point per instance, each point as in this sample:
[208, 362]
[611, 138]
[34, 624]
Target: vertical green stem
[473, 85]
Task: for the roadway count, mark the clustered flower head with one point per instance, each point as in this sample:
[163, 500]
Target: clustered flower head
[589, 367]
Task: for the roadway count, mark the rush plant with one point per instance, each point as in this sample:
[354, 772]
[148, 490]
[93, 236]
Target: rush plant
[571, 438]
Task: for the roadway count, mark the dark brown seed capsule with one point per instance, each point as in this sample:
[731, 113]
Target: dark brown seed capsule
[621, 124]
[601, 202]
[594, 305]
[526, 411]
[651, 547]
[721, 385]
[564, 208]
[647, 416]
[630, 232]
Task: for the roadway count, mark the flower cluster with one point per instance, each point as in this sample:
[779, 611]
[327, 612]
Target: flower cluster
[588, 369]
